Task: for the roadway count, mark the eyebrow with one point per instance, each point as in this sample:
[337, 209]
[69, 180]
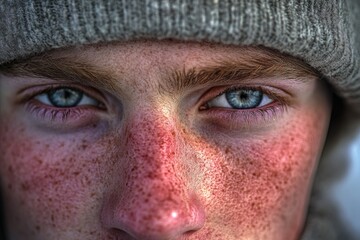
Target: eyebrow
[61, 69]
[222, 71]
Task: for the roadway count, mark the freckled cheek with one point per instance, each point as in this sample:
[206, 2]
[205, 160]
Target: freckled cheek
[265, 178]
[52, 180]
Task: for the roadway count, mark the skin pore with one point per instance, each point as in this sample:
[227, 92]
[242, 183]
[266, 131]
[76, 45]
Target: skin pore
[152, 149]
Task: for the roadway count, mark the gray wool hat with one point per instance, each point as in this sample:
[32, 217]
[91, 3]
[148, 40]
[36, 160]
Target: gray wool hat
[324, 33]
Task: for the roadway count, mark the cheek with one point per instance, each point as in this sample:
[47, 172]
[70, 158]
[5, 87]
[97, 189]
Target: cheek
[48, 180]
[262, 183]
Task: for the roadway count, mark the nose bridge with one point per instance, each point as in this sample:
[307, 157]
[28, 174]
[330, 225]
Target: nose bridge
[154, 161]
[157, 201]
[151, 144]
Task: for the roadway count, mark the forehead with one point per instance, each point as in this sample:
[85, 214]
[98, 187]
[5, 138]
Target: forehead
[156, 52]
[159, 54]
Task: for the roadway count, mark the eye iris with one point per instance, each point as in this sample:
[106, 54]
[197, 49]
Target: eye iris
[244, 98]
[65, 97]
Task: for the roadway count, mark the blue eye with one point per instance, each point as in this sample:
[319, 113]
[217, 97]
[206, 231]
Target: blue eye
[240, 99]
[65, 98]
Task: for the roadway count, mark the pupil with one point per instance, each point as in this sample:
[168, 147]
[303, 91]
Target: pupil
[67, 94]
[243, 96]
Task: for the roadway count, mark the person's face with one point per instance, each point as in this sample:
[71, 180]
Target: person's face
[160, 140]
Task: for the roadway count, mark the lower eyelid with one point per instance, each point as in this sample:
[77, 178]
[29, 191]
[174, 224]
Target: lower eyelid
[55, 118]
[233, 119]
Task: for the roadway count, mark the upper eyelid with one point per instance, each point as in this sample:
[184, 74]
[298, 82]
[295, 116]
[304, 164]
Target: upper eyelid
[242, 88]
[84, 94]
[211, 96]
[33, 91]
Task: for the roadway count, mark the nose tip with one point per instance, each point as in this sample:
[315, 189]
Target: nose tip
[153, 218]
[158, 209]
[163, 223]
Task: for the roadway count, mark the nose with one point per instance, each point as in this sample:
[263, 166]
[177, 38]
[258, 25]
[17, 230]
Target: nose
[155, 199]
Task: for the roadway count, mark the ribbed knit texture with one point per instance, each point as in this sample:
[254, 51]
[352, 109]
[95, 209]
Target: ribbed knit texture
[318, 31]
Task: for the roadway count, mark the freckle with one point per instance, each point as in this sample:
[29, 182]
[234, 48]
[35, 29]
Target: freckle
[227, 150]
[9, 186]
[56, 183]
[37, 228]
[10, 169]
[62, 174]
[25, 187]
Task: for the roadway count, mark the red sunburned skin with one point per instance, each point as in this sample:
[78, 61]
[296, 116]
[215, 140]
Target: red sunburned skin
[155, 174]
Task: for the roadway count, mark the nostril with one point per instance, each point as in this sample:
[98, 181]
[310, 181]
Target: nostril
[167, 226]
[120, 235]
[156, 223]
[123, 235]
[190, 232]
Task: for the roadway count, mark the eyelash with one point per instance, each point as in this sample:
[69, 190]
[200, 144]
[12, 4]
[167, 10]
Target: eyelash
[233, 117]
[53, 113]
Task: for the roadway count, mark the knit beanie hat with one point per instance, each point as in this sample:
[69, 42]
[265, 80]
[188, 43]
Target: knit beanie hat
[324, 33]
